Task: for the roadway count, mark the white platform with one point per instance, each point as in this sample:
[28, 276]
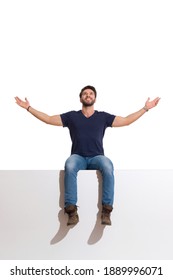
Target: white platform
[33, 224]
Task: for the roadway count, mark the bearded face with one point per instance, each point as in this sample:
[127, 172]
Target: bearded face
[88, 98]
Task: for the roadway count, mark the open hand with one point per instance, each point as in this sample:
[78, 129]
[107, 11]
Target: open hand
[150, 104]
[24, 104]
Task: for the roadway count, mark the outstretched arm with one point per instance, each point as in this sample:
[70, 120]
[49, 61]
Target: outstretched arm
[122, 121]
[53, 120]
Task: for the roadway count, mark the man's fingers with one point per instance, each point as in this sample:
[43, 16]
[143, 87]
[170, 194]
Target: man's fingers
[18, 99]
[156, 100]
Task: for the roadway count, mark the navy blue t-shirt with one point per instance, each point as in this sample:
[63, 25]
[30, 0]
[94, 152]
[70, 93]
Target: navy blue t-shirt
[87, 133]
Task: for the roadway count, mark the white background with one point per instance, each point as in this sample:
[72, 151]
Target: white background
[50, 49]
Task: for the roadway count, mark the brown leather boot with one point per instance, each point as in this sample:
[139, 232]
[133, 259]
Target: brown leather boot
[105, 217]
[73, 217]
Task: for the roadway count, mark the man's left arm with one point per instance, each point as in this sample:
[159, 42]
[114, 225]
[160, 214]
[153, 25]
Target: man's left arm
[123, 121]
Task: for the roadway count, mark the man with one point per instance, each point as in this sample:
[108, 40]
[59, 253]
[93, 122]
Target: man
[87, 128]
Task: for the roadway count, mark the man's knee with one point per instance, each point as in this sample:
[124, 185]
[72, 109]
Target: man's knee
[70, 164]
[107, 164]
[74, 163]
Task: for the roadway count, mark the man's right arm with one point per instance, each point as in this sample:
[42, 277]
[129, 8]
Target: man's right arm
[53, 120]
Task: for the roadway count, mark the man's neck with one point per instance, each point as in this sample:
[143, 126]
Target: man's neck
[88, 111]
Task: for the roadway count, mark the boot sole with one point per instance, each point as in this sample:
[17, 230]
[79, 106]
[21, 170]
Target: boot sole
[72, 224]
[107, 224]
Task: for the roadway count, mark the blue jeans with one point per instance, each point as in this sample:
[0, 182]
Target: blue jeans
[75, 163]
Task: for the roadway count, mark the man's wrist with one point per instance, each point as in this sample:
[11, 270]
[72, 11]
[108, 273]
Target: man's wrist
[145, 108]
[28, 108]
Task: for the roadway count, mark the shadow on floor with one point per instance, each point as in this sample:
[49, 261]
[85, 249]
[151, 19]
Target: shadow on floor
[63, 230]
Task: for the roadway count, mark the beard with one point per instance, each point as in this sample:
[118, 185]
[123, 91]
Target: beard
[88, 103]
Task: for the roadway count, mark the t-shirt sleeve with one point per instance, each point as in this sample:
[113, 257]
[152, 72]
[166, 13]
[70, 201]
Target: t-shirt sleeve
[65, 117]
[109, 119]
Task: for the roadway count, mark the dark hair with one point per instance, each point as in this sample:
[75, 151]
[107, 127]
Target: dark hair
[88, 87]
